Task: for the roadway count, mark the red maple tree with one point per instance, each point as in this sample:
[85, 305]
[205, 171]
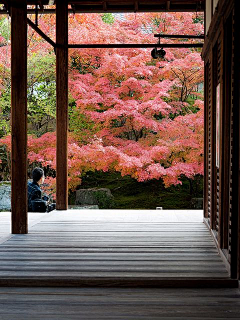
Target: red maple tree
[129, 113]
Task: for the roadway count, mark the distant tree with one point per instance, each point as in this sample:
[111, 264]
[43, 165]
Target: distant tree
[128, 112]
[5, 85]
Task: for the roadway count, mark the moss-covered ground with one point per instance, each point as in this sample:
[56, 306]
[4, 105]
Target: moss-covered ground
[130, 194]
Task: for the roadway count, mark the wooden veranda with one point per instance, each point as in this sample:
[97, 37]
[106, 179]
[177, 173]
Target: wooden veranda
[19, 11]
[109, 248]
[222, 87]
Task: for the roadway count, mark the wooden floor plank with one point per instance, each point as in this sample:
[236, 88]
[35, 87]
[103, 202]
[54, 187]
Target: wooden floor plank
[84, 250]
[118, 303]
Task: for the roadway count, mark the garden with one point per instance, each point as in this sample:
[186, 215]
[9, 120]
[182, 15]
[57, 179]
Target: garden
[136, 123]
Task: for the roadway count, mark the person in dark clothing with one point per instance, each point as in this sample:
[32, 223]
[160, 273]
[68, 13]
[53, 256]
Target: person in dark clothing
[37, 202]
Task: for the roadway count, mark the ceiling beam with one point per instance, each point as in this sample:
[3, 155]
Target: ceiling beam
[101, 6]
[134, 45]
[40, 32]
[179, 36]
[97, 10]
[168, 6]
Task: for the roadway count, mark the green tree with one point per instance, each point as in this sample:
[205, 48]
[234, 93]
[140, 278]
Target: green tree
[41, 93]
[108, 18]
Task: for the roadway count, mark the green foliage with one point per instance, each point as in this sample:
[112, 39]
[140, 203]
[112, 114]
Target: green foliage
[85, 66]
[4, 127]
[128, 193]
[5, 109]
[82, 67]
[81, 127]
[103, 200]
[41, 94]
[5, 29]
[199, 18]
[108, 18]
[191, 107]
[5, 164]
[5, 82]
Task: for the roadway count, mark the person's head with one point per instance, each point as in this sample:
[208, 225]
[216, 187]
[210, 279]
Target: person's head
[38, 175]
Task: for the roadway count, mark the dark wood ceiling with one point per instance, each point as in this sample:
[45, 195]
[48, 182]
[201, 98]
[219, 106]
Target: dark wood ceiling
[126, 5]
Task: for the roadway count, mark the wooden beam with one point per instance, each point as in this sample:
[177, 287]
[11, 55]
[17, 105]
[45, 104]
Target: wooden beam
[41, 33]
[224, 8]
[179, 36]
[135, 45]
[121, 6]
[19, 115]
[101, 10]
[136, 6]
[168, 5]
[62, 103]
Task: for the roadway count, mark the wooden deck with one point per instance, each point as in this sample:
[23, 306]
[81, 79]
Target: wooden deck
[5, 220]
[114, 248]
[118, 303]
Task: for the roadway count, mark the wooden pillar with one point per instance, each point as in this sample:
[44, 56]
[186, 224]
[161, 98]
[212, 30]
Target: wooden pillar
[237, 8]
[213, 141]
[62, 103]
[235, 223]
[226, 117]
[19, 115]
[206, 126]
[221, 140]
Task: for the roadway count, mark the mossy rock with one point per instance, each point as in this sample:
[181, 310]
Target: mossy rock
[102, 197]
[131, 194]
[5, 196]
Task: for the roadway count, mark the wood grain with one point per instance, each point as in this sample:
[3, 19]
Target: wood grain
[62, 104]
[119, 303]
[19, 116]
[75, 250]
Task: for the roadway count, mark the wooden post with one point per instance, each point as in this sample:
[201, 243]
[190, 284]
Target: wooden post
[227, 87]
[235, 227]
[237, 8]
[19, 115]
[213, 143]
[221, 147]
[206, 126]
[62, 102]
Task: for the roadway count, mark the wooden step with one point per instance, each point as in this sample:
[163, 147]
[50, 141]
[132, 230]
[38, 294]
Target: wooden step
[115, 282]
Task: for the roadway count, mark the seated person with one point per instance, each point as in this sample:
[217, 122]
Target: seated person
[37, 202]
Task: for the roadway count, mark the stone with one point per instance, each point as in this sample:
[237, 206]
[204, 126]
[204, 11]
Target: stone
[5, 196]
[83, 207]
[197, 203]
[102, 197]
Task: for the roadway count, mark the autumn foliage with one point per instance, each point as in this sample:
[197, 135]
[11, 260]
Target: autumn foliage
[128, 112]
